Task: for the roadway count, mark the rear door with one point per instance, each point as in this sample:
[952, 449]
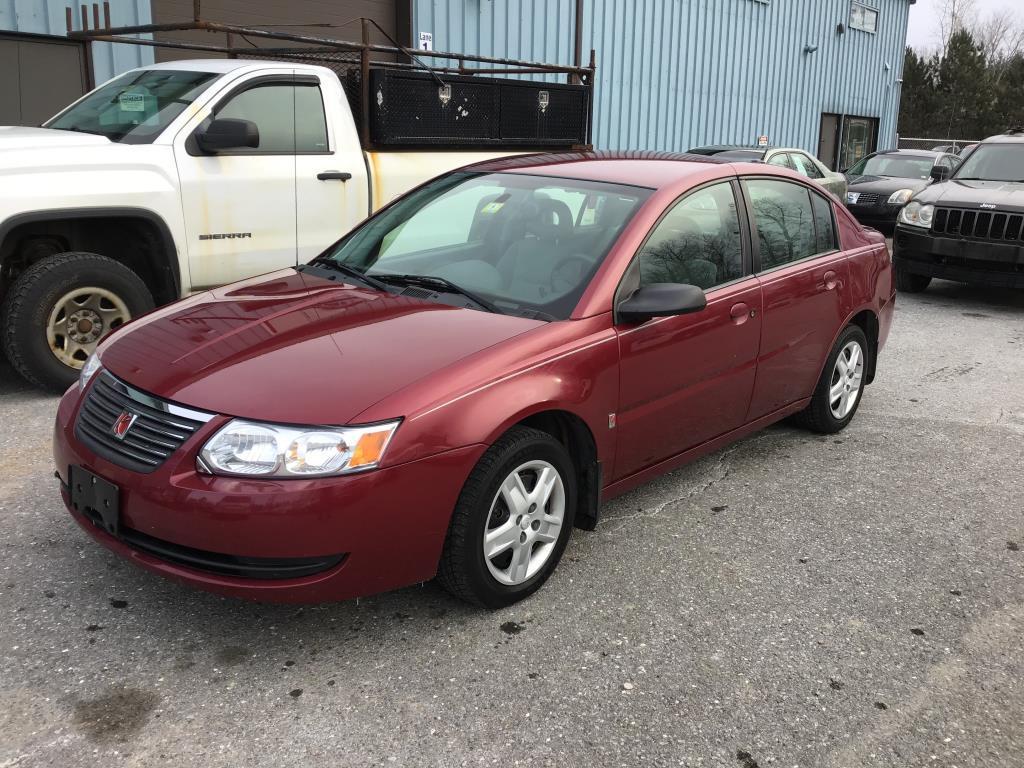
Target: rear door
[687, 379]
[804, 279]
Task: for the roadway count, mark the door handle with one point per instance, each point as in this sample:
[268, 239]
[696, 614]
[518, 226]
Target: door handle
[831, 280]
[739, 313]
[334, 175]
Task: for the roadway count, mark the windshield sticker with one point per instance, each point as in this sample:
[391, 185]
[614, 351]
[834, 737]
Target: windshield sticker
[132, 102]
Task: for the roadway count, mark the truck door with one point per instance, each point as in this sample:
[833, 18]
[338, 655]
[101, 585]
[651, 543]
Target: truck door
[331, 185]
[239, 204]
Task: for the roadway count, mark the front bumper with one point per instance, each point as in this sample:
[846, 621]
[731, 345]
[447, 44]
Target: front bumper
[967, 261]
[881, 217]
[370, 532]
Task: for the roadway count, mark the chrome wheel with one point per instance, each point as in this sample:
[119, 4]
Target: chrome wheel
[524, 522]
[846, 380]
[78, 321]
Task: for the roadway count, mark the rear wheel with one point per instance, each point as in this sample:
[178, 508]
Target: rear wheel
[512, 521]
[908, 282]
[60, 308]
[838, 393]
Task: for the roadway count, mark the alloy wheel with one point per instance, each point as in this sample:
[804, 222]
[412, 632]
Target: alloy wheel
[846, 380]
[524, 522]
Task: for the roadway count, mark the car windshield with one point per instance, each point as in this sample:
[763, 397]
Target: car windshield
[527, 245]
[134, 108]
[896, 166]
[994, 162]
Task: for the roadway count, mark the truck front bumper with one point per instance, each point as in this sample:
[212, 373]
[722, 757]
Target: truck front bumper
[997, 264]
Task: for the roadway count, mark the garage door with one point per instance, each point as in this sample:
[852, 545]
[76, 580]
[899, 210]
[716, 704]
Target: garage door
[287, 15]
[39, 76]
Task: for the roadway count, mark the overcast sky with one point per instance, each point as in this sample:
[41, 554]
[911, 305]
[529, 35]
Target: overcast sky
[924, 33]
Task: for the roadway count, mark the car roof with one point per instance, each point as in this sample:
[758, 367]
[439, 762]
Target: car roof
[713, 149]
[641, 168]
[1012, 136]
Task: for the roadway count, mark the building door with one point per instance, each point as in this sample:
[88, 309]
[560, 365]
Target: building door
[860, 138]
[39, 76]
[828, 141]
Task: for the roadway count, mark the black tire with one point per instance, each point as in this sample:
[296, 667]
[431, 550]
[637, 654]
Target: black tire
[463, 570]
[818, 415]
[26, 311]
[908, 282]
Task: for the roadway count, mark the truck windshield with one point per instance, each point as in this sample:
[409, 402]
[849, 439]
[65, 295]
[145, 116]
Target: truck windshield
[527, 245]
[994, 162]
[134, 108]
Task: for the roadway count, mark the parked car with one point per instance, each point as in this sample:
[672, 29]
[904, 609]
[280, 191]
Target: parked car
[795, 159]
[883, 182]
[176, 178]
[968, 228]
[464, 377]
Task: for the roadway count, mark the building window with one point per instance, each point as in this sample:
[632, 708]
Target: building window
[863, 18]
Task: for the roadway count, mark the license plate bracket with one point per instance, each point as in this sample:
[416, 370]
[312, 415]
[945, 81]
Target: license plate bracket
[96, 498]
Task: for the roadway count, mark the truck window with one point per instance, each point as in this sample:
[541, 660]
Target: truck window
[290, 117]
[135, 107]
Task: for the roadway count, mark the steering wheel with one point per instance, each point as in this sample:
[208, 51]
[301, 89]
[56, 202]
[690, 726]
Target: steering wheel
[568, 273]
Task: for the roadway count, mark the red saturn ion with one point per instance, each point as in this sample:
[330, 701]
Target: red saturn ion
[460, 381]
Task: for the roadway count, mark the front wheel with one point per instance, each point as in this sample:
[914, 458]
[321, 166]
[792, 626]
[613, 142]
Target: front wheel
[512, 521]
[60, 308]
[838, 393]
[908, 282]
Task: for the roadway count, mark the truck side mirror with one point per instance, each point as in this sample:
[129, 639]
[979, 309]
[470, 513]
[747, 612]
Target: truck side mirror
[941, 173]
[227, 133]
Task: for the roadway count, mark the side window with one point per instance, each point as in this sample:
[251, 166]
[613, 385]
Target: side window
[272, 109]
[783, 221]
[781, 159]
[824, 225]
[697, 242]
[806, 166]
[310, 121]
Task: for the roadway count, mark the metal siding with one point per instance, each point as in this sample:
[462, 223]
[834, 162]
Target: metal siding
[46, 17]
[675, 74]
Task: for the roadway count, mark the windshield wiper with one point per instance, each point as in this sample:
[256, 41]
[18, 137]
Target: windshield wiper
[443, 285]
[352, 272]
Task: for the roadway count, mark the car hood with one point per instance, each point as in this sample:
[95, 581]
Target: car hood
[1004, 195]
[295, 348]
[15, 137]
[884, 184]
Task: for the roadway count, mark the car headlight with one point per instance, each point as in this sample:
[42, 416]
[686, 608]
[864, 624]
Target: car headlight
[900, 196]
[92, 364]
[251, 449]
[917, 215]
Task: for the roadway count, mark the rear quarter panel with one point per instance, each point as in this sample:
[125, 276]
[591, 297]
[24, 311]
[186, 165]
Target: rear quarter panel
[871, 280]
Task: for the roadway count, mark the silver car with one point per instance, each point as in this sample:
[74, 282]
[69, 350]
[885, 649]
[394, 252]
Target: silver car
[795, 159]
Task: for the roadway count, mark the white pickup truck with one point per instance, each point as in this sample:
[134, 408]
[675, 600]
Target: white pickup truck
[175, 178]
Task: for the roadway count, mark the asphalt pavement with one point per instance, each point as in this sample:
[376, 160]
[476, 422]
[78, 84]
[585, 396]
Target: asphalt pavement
[793, 600]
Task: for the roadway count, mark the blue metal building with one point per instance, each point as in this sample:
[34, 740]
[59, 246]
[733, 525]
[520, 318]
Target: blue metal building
[823, 75]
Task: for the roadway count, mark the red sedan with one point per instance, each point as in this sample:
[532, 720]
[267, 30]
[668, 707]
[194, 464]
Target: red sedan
[463, 379]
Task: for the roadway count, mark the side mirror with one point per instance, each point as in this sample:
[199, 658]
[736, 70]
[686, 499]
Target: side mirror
[940, 173]
[661, 300]
[228, 133]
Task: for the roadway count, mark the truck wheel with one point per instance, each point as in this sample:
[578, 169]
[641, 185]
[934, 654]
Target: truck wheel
[908, 282]
[839, 390]
[512, 520]
[58, 310]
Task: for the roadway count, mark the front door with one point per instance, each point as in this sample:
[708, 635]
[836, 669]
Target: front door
[687, 379]
[239, 204]
[828, 140]
[804, 279]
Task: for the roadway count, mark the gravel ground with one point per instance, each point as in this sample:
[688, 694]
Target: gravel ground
[793, 600]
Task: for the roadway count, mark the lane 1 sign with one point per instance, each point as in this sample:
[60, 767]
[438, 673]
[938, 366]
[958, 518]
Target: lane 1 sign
[762, 141]
[426, 41]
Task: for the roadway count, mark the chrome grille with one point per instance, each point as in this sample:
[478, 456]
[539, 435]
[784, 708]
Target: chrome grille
[998, 226]
[158, 430]
[868, 198]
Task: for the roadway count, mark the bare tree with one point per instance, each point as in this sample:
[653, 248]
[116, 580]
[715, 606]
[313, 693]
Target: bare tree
[1001, 37]
[953, 16]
